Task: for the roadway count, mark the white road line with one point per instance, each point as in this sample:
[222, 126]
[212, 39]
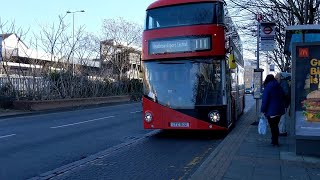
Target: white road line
[135, 112]
[71, 111]
[6, 136]
[82, 122]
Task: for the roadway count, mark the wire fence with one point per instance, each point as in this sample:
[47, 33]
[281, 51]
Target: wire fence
[25, 84]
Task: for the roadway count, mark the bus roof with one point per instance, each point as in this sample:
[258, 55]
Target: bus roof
[160, 3]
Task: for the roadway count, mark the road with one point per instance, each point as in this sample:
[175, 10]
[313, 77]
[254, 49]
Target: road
[33, 145]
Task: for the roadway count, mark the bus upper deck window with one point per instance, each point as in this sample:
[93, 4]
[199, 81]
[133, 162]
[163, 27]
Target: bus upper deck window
[185, 15]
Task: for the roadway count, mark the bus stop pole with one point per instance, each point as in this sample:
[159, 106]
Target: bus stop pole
[258, 62]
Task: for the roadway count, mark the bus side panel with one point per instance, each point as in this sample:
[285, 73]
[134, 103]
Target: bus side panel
[241, 100]
[237, 104]
[163, 117]
[234, 114]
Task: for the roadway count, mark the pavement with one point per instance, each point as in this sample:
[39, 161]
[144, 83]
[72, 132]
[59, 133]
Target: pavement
[246, 155]
[4, 113]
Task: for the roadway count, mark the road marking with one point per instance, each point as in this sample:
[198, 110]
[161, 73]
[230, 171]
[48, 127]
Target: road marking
[195, 161]
[82, 122]
[135, 112]
[6, 136]
[69, 111]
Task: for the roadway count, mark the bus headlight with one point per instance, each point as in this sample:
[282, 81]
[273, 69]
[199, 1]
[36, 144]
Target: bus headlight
[148, 117]
[214, 116]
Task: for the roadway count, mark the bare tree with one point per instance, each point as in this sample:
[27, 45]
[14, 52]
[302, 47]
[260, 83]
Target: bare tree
[45, 67]
[9, 52]
[60, 46]
[284, 13]
[89, 47]
[122, 32]
[121, 38]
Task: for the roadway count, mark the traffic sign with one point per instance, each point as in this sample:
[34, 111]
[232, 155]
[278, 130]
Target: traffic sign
[267, 36]
[267, 30]
[271, 38]
[267, 45]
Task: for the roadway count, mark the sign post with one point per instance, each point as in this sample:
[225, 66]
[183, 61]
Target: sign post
[267, 36]
[257, 74]
[1, 48]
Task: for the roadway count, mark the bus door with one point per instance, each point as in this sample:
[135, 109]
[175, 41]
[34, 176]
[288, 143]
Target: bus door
[227, 99]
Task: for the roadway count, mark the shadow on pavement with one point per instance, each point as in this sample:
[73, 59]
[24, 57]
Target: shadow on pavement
[190, 134]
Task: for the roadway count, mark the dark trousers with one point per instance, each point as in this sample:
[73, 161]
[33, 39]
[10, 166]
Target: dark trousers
[274, 127]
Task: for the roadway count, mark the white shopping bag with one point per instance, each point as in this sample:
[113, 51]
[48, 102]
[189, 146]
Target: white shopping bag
[262, 127]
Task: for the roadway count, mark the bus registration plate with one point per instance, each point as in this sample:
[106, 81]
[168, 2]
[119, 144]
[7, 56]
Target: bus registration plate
[179, 124]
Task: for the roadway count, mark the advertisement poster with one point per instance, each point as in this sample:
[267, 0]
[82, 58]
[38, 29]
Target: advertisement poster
[307, 88]
[257, 83]
[308, 80]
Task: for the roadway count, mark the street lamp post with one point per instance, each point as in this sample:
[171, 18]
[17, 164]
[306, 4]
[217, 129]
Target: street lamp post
[73, 45]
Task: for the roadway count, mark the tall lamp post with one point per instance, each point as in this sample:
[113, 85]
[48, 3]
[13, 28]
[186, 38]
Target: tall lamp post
[73, 12]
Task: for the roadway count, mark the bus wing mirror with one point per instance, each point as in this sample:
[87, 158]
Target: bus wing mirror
[140, 74]
[232, 62]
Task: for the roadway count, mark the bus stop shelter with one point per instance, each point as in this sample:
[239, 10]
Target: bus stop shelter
[302, 44]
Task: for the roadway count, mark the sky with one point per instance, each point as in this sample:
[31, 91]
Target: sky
[31, 14]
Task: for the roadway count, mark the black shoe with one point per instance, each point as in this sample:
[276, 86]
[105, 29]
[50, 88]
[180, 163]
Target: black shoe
[275, 144]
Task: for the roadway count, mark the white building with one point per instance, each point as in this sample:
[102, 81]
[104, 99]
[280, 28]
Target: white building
[23, 66]
[16, 54]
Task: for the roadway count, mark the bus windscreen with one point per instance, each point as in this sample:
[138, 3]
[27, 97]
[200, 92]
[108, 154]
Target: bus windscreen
[184, 15]
[184, 84]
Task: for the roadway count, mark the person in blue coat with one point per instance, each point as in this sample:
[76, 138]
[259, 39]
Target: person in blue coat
[273, 106]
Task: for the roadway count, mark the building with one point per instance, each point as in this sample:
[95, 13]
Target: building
[120, 61]
[20, 59]
[25, 68]
[251, 64]
[249, 67]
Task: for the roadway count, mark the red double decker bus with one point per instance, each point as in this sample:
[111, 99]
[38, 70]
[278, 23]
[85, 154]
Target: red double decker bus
[191, 80]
